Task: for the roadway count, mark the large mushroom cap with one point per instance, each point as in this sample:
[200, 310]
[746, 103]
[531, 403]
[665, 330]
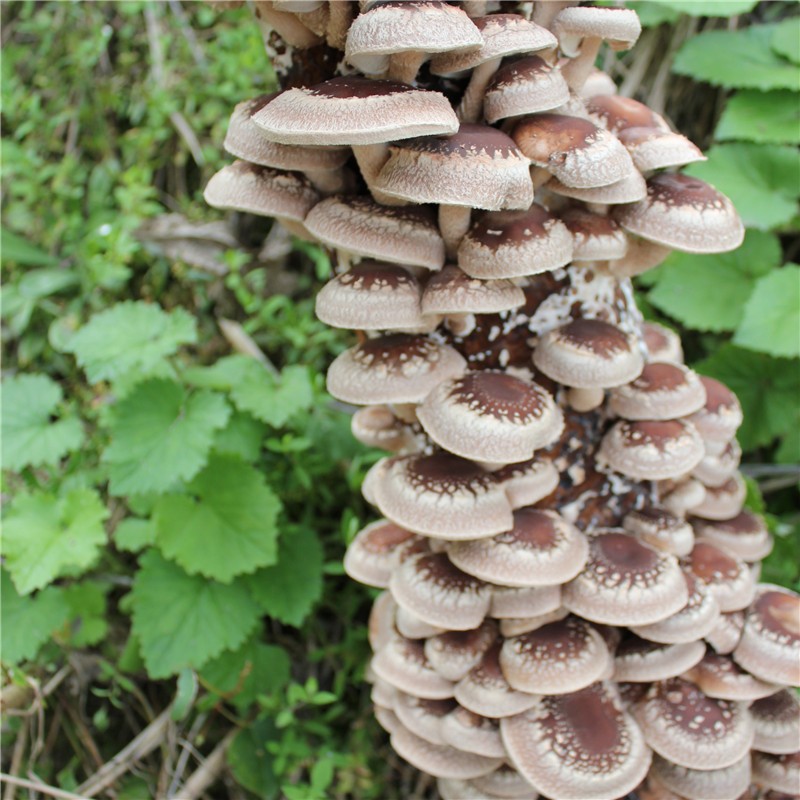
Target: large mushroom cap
[728, 578]
[526, 86]
[719, 676]
[640, 661]
[452, 291]
[684, 213]
[600, 753]
[596, 237]
[618, 113]
[661, 391]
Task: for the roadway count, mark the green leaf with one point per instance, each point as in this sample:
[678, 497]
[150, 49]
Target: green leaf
[767, 388]
[708, 8]
[786, 39]
[47, 536]
[771, 321]
[130, 337]
[288, 590]
[223, 525]
[185, 694]
[651, 14]
[185, 620]
[224, 373]
[255, 668]
[18, 250]
[134, 534]
[160, 435]
[772, 117]
[242, 436]
[250, 761]
[741, 59]
[709, 292]
[275, 400]
[789, 450]
[86, 602]
[28, 622]
[762, 180]
[30, 436]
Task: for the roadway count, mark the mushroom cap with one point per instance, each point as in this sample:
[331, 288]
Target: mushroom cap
[588, 353]
[717, 468]
[694, 621]
[439, 593]
[541, 549]
[662, 344]
[721, 415]
[770, 643]
[778, 772]
[745, 535]
[411, 626]
[719, 676]
[526, 602]
[651, 449]
[661, 530]
[512, 244]
[525, 86]
[575, 150]
[397, 27]
[354, 111]
[777, 722]
[512, 626]
[491, 416]
[661, 391]
[397, 368]
[596, 237]
[601, 754]
[640, 661]
[704, 784]
[454, 653]
[689, 729]
[473, 733]
[442, 495]
[504, 782]
[528, 482]
[726, 633]
[371, 296]
[452, 291]
[557, 658]
[380, 628]
[503, 35]
[422, 717]
[630, 189]
[619, 26]
[684, 213]
[242, 186]
[653, 148]
[478, 167]
[360, 225]
[617, 113]
[376, 551]
[727, 577]
[377, 426]
[626, 583]
[724, 501]
[401, 662]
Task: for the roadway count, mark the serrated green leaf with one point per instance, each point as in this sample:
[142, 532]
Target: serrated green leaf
[86, 602]
[130, 337]
[241, 675]
[223, 525]
[289, 590]
[786, 39]
[275, 400]
[771, 322]
[30, 437]
[27, 622]
[767, 388]
[160, 435]
[741, 59]
[185, 620]
[134, 534]
[709, 292]
[762, 180]
[47, 536]
[772, 117]
[242, 436]
[250, 761]
[18, 250]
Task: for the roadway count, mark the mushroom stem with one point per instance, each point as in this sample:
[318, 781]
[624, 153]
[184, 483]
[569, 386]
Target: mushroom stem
[403, 67]
[370, 159]
[453, 225]
[327, 181]
[341, 15]
[296, 229]
[407, 412]
[470, 109]
[286, 25]
[579, 68]
[582, 400]
[539, 176]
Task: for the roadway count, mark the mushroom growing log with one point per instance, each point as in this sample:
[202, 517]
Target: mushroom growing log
[570, 605]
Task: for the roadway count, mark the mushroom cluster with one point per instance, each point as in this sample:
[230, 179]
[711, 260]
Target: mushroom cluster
[571, 605]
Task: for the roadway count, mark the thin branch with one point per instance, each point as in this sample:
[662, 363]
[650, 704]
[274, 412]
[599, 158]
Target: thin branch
[16, 756]
[208, 771]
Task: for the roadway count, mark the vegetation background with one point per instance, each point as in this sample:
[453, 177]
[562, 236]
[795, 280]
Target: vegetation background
[178, 489]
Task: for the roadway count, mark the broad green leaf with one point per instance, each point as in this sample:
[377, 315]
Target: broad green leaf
[772, 117]
[134, 534]
[28, 622]
[652, 14]
[160, 435]
[288, 590]
[86, 602]
[130, 337]
[223, 525]
[707, 8]
[789, 449]
[762, 180]
[275, 400]
[185, 620]
[241, 675]
[251, 763]
[242, 436]
[767, 388]
[18, 250]
[709, 292]
[786, 39]
[771, 321]
[30, 436]
[47, 536]
[741, 59]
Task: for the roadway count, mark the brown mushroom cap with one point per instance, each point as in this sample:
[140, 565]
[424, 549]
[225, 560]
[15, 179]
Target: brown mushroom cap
[777, 722]
[727, 577]
[661, 530]
[630, 189]
[397, 368]
[653, 148]
[640, 661]
[726, 633]
[527, 482]
[600, 753]
[557, 658]
[512, 244]
[401, 662]
[770, 643]
[512, 626]
[684, 726]
[452, 291]
[662, 344]
[504, 782]
[651, 449]
[724, 501]
[439, 593]
[378, 426]
[454, 653]
[576, 151]
[704, 784]
[541, 549]
[617, 113]
[661, 391]
[473, 733]
[380, 628]
[442, 495]
[422, 717]
[411, 626]
[778, 772]
[526, 602]
[375, 552]
[717, 468]
[721, 415]
[596, 237]
[719, 676]
[491, 416]
[744, 536]
[626, 583]
[684, 213]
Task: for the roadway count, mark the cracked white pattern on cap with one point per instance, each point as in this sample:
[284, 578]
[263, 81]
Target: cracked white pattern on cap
[728, 578]
[719, 676]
